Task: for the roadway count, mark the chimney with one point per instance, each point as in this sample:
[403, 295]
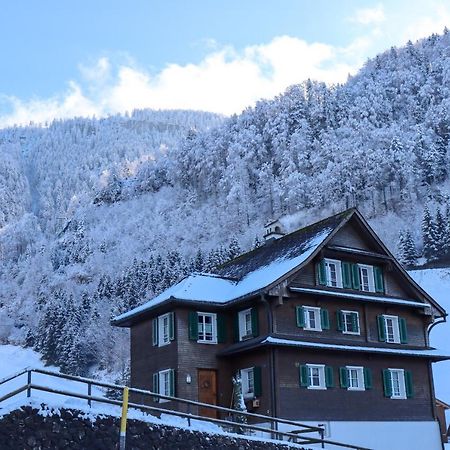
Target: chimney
[273, 230]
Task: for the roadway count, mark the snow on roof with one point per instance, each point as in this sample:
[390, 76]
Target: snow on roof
[433, 353]
[359, 296]
[220, 289]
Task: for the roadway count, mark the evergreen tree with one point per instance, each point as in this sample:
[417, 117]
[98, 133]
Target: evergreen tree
[407, 253]
[239, 404]
[430, 250]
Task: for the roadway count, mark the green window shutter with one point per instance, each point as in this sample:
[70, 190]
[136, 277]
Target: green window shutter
[236, 327]
[346, 268]
[255, 323]
[379, 280]
[155, 387]
[221, 329]
[343, 377]
[409, 384]
[300, 316]
[171, 326]
[303, 372]
[257, 381]
[403, 330]
[172, 383]
[355, 322]
[329, 378]
[325, 319]
[155, 332]
[340, 320]
[193, 326]
[381, 328]
[321, 272]
[356, 282]
[387, 383]
[368, 382]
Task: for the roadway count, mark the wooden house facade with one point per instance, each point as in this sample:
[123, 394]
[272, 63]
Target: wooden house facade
[323, 325]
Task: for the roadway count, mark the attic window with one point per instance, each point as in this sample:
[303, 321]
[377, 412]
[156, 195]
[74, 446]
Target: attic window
[333, 272]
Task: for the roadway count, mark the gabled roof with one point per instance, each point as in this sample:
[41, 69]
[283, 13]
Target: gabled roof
[257, 271]
[248, 274]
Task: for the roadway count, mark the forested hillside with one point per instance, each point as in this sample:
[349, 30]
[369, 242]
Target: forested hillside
[98, 215]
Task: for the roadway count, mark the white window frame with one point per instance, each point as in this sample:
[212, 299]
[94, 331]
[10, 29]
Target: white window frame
[401, 395]
[338, 269]
[245, 333]
[318, 319]
[344, 323]
[164, 375]
[162, 338]
[213, 317]
[322, 382]
[359, 378]
[395, 327]
[370, 277]
[248, 382]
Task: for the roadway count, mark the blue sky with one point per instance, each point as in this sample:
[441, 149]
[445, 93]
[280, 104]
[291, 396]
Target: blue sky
[67, 58]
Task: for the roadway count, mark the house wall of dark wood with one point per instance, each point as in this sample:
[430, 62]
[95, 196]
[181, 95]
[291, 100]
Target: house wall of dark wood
[300, 403]
[284, 318]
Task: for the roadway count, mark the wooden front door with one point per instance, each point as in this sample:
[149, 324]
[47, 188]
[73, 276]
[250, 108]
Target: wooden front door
[207, 391]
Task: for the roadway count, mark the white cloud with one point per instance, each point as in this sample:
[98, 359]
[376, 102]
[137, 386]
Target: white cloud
[435, 22]
[369, 16]
[225, 81]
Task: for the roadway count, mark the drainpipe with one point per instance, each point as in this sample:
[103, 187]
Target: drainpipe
[273, 392]
[430, 371]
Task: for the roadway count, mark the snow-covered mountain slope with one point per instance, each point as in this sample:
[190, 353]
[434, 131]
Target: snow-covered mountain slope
[437, 283]
[98, 216]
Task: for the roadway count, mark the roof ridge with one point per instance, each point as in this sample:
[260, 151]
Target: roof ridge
[286, 236]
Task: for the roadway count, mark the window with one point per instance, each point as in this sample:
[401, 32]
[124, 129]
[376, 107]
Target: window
[247, 323]
[397, 383]
[251, 382]
[316, 376]
[248, 383]
[164, 384]
[163, 329]
[355, 378]
[348, 322]
[312, 318]
[207, 328]
[333, 273]
[163, 325]
[366, 278]
[392, 329]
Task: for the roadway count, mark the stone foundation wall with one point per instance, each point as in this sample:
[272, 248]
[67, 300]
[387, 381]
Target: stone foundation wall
[26, 429]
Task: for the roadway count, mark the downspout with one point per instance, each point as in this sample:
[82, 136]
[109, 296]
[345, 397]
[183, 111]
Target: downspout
[436, 322]
[442, 319]
[273, 393]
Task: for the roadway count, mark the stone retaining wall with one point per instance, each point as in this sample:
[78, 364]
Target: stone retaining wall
[29, 429]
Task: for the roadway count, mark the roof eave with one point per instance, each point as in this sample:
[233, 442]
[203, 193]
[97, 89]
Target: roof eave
[400, 267]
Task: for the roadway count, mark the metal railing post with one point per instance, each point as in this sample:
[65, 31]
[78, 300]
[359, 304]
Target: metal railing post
[322, 436]
[29, 384]
[189, 412]
[89, 393]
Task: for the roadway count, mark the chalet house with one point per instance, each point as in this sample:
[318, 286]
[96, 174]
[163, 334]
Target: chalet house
[323, 324]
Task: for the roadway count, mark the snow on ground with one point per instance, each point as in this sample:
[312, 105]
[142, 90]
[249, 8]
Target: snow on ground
[14, 359]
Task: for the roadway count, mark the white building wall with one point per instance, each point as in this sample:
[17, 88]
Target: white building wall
[382, 435]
